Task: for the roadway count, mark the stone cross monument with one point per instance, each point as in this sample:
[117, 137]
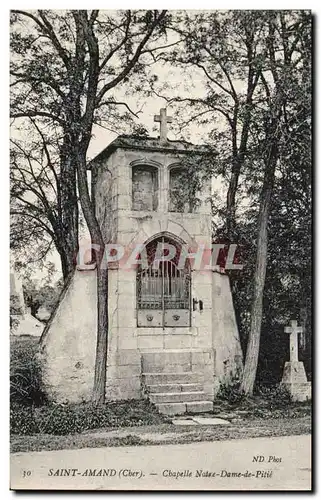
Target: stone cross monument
[293, 330]
[163, 119]
[294, 376]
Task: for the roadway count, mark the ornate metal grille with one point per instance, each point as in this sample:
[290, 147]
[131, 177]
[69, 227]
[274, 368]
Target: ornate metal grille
[163, 287]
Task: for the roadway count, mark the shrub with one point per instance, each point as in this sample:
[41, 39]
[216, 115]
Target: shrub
[25, 373]
[230, 392]
[76, 418]
[265, 397]
[275, 396]
[22, 420]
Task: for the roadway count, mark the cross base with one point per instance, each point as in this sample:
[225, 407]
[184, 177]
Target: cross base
[299, 392]
[295, 380]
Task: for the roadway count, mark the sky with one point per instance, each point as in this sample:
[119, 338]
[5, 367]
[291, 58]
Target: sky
[176, 84]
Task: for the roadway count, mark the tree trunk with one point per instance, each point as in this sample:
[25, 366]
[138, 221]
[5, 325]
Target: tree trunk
[102, 333]
[231, 198]
[69, 213]
[88, 209]
[253, 346]
[67, 260]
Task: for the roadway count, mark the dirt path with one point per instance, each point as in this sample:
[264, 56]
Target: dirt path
[285, 464]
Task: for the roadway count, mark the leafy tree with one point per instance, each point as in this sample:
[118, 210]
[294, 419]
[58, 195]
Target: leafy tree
[256, 72]
[43, 167]
[38, 221]
[225, 49]
[65, 68]
[41, 295]
[285, 31]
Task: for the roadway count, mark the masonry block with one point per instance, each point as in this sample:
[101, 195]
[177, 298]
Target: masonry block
[173, 378]
[127, 340]
[199, 407]
[166, 361]
[176, 397]
[295, 381]
[128, 371]
[177, 341]
[171, 408]
[149, 341]
[128, 357]
[294, 372]
[300, 391]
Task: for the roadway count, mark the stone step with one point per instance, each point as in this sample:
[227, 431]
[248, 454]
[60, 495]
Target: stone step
[171, 408]
[177, 397]
[199, 406]
[173, 378]
[182, 408]
[183, 367]
[162, 388]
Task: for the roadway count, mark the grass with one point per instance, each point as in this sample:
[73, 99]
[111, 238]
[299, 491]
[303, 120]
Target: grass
[161, 434]
[76, 418]
[137, 422]
[258, 407]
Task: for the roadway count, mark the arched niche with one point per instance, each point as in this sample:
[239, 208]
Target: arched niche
[181, 193]
[145, 187]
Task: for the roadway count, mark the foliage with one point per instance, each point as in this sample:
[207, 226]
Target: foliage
[15, 305]
[31, 413]
[25, 374]
[271, 401]
[15, 310]
[274, 396]
[76, 418]
[39, 295]
[252, 63]
[230, 392]
[64, 67]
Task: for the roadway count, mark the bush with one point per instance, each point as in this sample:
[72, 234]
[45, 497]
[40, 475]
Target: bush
[31, 413]
[25, 373]
[21, 419]
[275, 396]
[230, 392]
[76, 418]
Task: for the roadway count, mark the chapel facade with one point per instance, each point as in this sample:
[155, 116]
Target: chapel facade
[172, 329]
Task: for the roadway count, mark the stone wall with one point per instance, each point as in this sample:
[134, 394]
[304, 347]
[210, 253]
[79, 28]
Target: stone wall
[229, 357]
[67, 347]
[114, 176]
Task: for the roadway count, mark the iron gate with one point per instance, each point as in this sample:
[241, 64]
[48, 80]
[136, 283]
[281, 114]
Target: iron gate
[163, 295]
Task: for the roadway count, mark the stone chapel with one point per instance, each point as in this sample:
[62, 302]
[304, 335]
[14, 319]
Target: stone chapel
[173, 335]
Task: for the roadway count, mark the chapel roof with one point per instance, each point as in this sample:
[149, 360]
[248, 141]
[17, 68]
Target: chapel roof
[147, 144]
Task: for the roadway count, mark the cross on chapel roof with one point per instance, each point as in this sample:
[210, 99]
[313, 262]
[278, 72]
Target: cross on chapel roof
[163, 119]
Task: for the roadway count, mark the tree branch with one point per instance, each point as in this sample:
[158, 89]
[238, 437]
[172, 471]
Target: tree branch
[133, 61]
[49, 29]
[32, 216]
[31, 113]
[117, 47]
[118, 103]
